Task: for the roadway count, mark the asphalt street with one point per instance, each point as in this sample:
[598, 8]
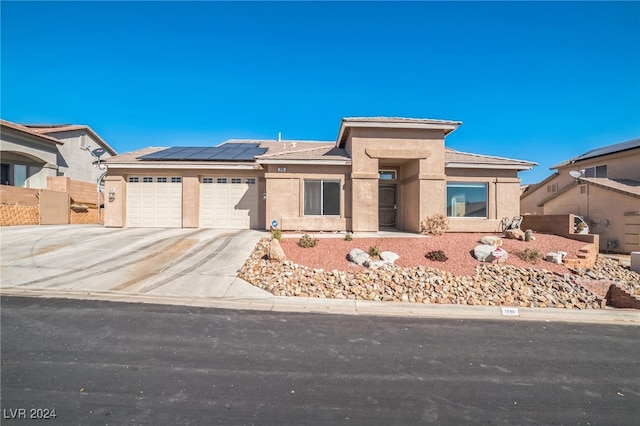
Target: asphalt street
[107, 363]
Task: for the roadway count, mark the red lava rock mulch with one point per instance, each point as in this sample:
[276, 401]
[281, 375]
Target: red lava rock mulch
[331, 252]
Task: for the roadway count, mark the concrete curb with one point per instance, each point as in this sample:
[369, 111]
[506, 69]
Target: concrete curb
[352, 307]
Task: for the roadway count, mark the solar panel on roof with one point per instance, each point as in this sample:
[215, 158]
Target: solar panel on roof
[226, 152]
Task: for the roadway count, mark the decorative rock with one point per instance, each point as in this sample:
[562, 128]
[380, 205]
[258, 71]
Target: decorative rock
[275, 251]
[514, 234]
[358, 256]
[554, 257]
[491, 241]
[483, 252]
[389, 256]
[374, 264]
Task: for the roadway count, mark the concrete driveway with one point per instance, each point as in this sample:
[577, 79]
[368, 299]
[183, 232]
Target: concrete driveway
[153, 261]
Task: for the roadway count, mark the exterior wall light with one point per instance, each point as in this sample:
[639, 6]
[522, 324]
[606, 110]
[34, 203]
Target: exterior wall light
[112, 194]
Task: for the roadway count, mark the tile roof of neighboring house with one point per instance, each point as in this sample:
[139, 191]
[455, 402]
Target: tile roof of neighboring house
[455, 158]
[599, 152]
[48, 129]
[29, 131]
[131, 157]
[624, 186]
[302, 151]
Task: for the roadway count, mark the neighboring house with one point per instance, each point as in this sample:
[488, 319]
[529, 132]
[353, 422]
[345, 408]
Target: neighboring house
[31, 153]
[380, 173]
[605, 191]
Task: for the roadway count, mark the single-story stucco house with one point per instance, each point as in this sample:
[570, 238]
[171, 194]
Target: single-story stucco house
[380, 173]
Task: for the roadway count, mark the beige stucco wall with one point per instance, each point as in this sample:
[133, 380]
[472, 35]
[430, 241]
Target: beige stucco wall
[598, 204]
[77, 163]
[285, 197]
[115, 211]
[419, 155]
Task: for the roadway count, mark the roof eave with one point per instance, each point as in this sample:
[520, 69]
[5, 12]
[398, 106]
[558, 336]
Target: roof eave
[447, 126]
[454, 165]
[182, 165]
[307, 162]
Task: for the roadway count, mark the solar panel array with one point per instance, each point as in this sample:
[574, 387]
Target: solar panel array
[225, 152]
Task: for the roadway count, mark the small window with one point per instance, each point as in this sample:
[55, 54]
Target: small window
[221, 180]
[147, 179]
[236, 180]
[207, 180]
[387, 174]
[134, 179]
[552, 188]
[161, 180]
[467, 199]
[583, 189]
[251, 181]
[176, 179]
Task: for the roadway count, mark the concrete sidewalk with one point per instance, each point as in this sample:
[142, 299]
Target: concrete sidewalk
[198, 267]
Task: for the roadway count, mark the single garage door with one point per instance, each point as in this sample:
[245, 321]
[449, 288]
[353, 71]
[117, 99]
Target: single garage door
[228, 202]
[154, 201]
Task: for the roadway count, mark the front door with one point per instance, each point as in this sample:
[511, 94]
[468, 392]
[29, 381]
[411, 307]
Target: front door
[387, 206]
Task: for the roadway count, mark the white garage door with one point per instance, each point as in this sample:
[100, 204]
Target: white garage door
[230, 203]
[154, 201]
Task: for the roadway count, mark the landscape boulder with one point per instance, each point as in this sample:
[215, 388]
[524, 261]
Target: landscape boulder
[490, 240]
[276, 252]
[358, 256]
[514, 234]
[389, 256]
[374, 264]
[487, 253]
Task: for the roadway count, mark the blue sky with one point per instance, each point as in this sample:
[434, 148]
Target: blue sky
[538, 81]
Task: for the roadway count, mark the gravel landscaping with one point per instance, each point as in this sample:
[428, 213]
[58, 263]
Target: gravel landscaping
[323, 271]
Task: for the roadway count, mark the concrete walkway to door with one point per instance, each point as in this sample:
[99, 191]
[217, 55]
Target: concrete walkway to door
[152, 261]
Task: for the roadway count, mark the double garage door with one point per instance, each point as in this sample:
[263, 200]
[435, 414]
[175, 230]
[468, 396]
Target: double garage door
[225, 202]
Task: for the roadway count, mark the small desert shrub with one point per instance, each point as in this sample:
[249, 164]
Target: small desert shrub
[348, 236]
[307, 241]
[437, 256]
[434, 225]
[277, 234]
[528, 255]
[374, 251]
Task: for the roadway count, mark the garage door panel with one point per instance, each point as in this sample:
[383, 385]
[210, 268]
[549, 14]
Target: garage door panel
[154, 204]
[228, 205]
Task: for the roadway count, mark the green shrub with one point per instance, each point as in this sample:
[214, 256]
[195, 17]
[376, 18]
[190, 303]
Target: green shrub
[348, 236]
[528, 255]
[307, 241]
[374, 251]
[437, 256]
[277, 234]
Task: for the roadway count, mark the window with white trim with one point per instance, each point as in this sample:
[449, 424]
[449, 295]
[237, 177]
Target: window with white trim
[236, 180]
[207, 180]
[161, 179]
[467, 199]
[176, 179]
[134, 179]
[221, 180]
[321, 197]
[147, 179]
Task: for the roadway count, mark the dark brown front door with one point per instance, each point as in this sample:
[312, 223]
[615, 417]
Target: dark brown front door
[387, 206]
